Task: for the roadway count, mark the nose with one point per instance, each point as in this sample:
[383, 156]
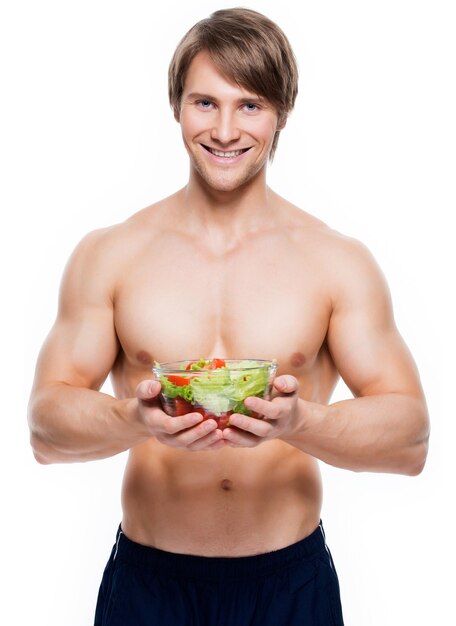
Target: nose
[225, 129]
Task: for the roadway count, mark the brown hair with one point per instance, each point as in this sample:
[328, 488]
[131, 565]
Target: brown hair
[249, 49]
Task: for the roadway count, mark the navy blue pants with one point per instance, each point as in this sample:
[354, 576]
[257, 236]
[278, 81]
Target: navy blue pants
[144, 586]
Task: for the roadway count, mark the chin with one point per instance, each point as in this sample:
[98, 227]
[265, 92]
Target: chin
[227, 183]
[224, 185]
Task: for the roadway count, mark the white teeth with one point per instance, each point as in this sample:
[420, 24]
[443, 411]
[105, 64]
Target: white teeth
[218, 153]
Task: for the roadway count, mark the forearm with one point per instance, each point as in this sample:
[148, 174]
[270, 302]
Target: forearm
[384, 433]
[70, 424]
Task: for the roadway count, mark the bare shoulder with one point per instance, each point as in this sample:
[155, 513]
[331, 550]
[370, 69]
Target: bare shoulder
[309, 230]
[105, 244]
[102, 257]
[345, 263]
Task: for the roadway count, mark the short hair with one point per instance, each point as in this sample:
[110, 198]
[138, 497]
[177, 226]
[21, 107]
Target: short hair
[246, 47]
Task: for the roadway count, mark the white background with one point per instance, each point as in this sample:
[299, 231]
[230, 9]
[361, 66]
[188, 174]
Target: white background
[88, 139]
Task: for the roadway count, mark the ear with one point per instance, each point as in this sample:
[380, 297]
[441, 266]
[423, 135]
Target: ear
[282, 121]
[177, 115]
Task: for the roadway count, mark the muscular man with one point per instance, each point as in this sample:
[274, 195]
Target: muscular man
[222, 527]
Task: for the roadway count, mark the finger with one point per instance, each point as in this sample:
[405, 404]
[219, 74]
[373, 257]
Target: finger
[148, 389]
[262, 407]
[165, 426]
[191, 435]
[286, 383]
[173, 425]
[240, 439]
[211, 441]
[253, 425]
[221, 443]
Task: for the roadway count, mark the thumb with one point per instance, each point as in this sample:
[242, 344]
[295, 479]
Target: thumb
[148, 389]
[286, 383]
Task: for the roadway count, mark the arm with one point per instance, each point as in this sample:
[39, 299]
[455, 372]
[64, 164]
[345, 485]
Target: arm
[385, 427]
[70, 419]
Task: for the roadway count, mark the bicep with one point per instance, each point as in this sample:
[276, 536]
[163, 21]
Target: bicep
[82, 345]
[363, 339]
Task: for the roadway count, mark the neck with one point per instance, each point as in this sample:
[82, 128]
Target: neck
[227, 216]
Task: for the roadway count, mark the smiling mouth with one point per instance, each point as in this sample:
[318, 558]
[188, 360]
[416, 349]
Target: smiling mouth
[226, 155]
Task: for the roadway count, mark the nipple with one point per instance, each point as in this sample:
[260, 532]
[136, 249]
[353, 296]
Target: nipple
[144, 357]
[297, 359]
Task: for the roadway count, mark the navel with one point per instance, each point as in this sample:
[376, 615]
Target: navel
[226, 484]
[297, 359]
[144, 357]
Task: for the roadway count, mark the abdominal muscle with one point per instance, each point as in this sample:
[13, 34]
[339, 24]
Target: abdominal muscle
[229, 502]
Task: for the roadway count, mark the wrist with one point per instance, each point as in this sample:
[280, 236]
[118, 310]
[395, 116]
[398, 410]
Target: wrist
[309, 420]
[129, 412]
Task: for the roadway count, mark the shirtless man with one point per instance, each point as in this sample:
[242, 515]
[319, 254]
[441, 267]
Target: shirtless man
[226, 268]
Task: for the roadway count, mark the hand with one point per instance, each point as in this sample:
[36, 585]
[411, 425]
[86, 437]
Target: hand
[185, 431]
[280, 416]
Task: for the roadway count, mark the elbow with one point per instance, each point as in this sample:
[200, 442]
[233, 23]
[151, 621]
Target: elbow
[40, 458]
[419, 451]
[40, 450]
[418, 458]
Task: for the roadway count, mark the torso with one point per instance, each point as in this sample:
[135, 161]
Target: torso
[263, 298]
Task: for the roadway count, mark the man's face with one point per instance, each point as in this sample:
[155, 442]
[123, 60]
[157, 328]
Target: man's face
[227, 130]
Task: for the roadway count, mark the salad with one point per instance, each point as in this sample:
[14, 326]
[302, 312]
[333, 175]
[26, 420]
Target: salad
[216, 388]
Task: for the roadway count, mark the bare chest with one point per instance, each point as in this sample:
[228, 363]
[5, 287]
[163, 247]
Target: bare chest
[263, 299]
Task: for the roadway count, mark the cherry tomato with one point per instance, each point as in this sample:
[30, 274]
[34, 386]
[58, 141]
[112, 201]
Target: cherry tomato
[180, 381]
[224, 419]
[181, 407]
[216, 364]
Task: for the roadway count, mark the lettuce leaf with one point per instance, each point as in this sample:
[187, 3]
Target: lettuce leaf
[224, 389]
[171, 390]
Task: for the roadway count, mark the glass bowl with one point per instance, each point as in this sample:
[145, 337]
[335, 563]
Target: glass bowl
[216, 388]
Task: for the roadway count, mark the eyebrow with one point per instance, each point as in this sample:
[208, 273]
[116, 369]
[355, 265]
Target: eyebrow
[205, 96]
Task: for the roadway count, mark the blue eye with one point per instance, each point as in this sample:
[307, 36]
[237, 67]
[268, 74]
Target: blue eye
[205, 104]
[251, 107]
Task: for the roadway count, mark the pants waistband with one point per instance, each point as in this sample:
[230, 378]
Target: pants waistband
[193, 566]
